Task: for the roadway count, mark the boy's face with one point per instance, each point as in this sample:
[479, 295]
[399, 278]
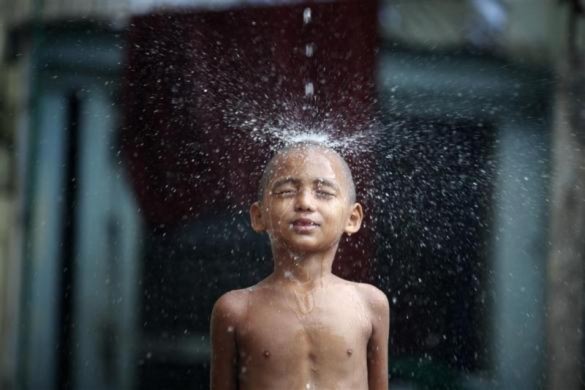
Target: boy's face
[306, 205]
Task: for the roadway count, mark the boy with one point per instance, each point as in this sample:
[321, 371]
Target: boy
[302, 327]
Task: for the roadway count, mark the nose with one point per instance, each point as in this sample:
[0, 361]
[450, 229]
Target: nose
[304, 201]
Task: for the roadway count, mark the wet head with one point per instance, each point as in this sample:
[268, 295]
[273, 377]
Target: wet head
[307, 149]
[306, 198]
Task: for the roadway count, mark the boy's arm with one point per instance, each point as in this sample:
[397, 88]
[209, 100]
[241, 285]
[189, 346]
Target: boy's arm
[378, 343]
[224, 319]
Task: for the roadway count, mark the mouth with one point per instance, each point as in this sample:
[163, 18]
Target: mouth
[304, 225]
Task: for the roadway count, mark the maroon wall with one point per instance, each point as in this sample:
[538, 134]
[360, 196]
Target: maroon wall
[193, 78]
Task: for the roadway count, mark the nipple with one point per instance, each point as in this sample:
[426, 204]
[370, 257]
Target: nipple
[266, 354]
[349, 352]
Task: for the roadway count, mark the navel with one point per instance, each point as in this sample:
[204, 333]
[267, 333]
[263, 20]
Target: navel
[266, 354]
[349, 352]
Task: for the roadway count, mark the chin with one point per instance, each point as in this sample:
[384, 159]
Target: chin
[309, 247]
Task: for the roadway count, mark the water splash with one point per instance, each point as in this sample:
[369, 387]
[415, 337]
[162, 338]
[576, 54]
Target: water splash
[291, 132]
[426, 183]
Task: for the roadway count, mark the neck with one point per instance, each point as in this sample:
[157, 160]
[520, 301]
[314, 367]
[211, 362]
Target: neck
[302, 270]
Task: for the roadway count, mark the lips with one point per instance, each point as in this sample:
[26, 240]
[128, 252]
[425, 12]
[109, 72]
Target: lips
[304, 222]
[304, 225]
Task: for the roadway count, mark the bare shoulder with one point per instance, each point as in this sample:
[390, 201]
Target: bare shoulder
[373, 297]
[231, 306]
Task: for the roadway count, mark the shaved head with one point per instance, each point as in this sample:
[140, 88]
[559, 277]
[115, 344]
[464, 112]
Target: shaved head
[303, 147]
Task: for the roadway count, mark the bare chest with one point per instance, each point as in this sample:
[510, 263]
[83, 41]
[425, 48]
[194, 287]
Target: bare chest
[304, 332]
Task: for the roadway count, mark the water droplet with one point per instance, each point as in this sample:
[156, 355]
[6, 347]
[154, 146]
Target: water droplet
[309, 49]
[309, 89]
[307, 16]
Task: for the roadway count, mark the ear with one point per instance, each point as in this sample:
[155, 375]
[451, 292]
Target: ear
[354, 222]
[256, 218]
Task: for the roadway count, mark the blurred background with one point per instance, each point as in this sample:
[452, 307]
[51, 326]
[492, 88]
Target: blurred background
[128, 159]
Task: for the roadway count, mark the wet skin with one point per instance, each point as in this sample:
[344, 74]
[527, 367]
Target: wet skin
[302, 327]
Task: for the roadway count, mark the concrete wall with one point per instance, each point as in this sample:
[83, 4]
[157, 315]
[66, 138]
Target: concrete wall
[16, 12]
[10, 99]
[566, 270]
[7, 204]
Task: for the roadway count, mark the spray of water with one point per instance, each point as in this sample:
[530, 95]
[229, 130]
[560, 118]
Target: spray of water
[278, 137]
[427, 184]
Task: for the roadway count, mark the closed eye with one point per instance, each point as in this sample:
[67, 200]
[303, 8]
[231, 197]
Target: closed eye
[284, 193]
[325, 194]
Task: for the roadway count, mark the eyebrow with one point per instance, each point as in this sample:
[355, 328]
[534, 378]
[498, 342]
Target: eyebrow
[327, 183]
[291, 180]
[285, 180]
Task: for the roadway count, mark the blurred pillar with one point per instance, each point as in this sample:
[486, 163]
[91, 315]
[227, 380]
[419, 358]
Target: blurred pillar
[566, 263]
